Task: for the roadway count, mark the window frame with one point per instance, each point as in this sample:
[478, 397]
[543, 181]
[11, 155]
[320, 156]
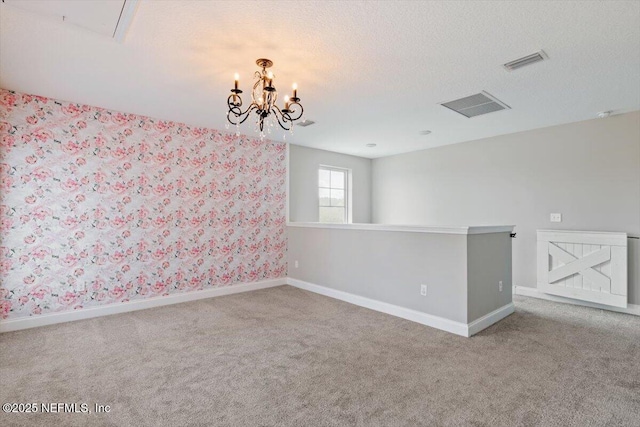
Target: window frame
[347, 191]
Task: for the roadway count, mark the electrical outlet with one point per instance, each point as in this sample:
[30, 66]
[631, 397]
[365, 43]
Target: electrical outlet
[295, 264]
[555, 217]
[81, 288]
[500, 285]
[423, 290]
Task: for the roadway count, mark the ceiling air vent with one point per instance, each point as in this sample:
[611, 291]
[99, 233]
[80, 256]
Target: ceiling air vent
[527, 60]
[476, 105]
[306, 123]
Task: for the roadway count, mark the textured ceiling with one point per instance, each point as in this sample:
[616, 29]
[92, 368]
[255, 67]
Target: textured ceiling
[368, 72]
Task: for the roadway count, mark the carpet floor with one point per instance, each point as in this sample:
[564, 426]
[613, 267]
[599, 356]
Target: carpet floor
[287, 357]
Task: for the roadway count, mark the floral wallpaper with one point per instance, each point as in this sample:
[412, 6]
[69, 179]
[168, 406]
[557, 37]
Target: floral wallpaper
[99, 207]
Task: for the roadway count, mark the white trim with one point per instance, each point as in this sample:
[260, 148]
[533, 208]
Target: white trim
[124, 21]
[489, 319]
[605, 233]
[488, 229]
[458, 328]
[105, 310]
[350, 197]
[437, 322]
[287, 183]
[483, 229]
[535, 293]
[586, 237]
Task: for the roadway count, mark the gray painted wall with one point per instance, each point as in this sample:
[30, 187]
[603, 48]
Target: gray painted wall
[385, 266]
[488, 263]
[461, 272]
[588, 171]
[303, 182]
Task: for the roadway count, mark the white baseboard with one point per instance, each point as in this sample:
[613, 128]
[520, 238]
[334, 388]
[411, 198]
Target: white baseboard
[535, 293]
[437, 322]
[106, 310]
[458, 328]
[489, 319]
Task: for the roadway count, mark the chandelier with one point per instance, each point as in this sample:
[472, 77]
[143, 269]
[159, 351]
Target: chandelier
[263, 103]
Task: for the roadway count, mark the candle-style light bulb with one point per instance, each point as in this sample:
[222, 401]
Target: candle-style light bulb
[270, 75]
[295, 90]
[286, 102]
[236, 77]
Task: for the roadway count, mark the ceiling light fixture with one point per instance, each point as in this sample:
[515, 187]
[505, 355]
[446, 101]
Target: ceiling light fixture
[263, 102]
[371, 145]
[425, 132]
[604, 114]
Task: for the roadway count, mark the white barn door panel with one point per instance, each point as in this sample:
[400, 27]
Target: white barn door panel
[585, 265]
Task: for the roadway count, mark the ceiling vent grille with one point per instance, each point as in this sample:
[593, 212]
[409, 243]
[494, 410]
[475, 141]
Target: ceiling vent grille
[476, 105]
[527, 60]
[306, 123]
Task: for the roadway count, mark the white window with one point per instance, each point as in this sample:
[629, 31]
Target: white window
[333, 194]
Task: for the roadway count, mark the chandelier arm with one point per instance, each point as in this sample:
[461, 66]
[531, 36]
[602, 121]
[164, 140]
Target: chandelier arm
[231, 121]
[285, 118]
[294, 118]
[238, 113]
[297, 115]
[231, 104]
[247, 112]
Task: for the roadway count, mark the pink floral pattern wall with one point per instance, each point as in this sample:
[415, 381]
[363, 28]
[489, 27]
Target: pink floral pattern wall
[99, 207]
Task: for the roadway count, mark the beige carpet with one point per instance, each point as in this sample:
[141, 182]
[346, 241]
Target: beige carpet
[283, 356]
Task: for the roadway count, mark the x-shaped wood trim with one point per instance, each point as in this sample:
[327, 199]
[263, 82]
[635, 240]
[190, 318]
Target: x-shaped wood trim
[583, 266]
